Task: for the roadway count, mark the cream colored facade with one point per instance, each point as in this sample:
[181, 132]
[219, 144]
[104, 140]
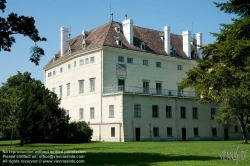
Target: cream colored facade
[137, 109]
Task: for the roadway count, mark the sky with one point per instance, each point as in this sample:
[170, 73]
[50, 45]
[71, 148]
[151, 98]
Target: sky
[194, 15]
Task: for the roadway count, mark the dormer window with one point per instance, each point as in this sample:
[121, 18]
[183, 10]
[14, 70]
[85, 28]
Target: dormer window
[84, 44]
[162, 38]
[69, 51]
[117, 29]
[173, 51]
[143, 47]
[84, 34]
[119, 41]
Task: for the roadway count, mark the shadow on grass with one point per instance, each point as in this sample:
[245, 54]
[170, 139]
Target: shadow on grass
[138, 158]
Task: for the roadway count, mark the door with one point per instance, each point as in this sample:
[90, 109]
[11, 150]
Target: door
[121, 85]
[183, 132]
[137, 134]
[226, 135]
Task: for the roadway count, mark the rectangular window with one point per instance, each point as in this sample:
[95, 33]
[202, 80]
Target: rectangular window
[69, 66]
[92, 112]
[81, 62]
[111, 111]
[121, 85]
[169, 131]
[60, 91]
[81, 113]
[145, 62]
[130, 60]
[54, 72]
[183, 112]
[53, 90]
[158, 88]
[86, 60]
[92, 84]
[120, 59]
[195, 113]
[112, 131]
[158, 64]
[213, 113]
[236, 128]
[214, 131]
[196, 132]
[67, 112]
[92, 59]
[137, 110]
[179, 67]
[168, 112]
[180, 91]
[155, 111]
[49, 74]
[61, 69]
[156, 131]
[81, 86]
[68, 89]
[146, 87]
[74, 63]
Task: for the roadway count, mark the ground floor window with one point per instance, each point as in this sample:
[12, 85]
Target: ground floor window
[112, 131]
[196, 132]
[156, 131]
[214, 131]
[169, 131]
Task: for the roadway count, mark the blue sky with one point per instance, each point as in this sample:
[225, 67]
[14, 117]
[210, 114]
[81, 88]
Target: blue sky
[195, 15]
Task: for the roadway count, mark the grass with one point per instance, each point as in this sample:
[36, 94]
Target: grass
[146, 153]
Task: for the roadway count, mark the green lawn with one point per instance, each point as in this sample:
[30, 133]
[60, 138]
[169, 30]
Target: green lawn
[146, 153]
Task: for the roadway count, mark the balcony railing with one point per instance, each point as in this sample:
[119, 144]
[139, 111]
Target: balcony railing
[147, 91]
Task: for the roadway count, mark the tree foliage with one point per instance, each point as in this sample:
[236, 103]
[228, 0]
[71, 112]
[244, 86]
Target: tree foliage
[224, 75]
[34, 112]
[23, 25]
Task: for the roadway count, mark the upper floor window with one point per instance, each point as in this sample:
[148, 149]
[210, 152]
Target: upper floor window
[120, 59]
[179, 67]
[158, 88]
[53, 90]
[137, 110]
[54, 72]
[74, 63]
[69, 66]
[92, 84]
[86, 60]
[92, 59]
[61, 69]
[111, 111]
[183, 112]
[68, 89]
[60, 91]
[143, 47]
[49, 74]
[145, 86]
[155, 111]
[81, 62]
[92, 112]
[168, 112]
[81, 86]
[158, 64]
[195, 112]
[145, 62]
[130, 60]
[213, 113]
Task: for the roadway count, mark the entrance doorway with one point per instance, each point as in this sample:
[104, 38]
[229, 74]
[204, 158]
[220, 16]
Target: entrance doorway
[137, 134]
[183, 132]
[226, 135]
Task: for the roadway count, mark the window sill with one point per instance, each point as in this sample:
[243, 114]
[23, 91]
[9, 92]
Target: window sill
[111, 117]
[91, 118]
[196, 136]
[137, 117]
[170, 136]
[168, 117]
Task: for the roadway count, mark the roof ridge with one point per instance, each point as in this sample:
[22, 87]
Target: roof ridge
[107, 33]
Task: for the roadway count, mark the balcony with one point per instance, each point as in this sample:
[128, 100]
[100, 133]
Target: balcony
[147, 91]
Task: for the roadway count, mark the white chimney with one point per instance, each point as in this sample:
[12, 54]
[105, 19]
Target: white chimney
[64, 39]
[199, 44]
[128, 30]
[167, 39]
[186, 43]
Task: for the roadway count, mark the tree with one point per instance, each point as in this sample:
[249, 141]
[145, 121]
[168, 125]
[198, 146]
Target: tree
[23, 25]
[37, 114]
[223, 76]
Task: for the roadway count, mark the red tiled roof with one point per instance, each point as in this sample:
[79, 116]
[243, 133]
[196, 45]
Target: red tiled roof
[106, 35]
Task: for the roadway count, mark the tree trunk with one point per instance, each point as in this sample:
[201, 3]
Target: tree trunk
[21, 141]
[244, 134]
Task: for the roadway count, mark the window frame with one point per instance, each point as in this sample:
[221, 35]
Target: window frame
[183, 112]
[169, 131]
[195, 113]
[120, 58]
[145, 62]
[81, 86]
[168, 111]
[92, 84]
[158, 64]
[155, 111]
[156, 132]
[92, 59]
[68, 89]
[111, 111]
[81, 111]
[213, 113]
[214, 132]
[137, 110]
[196, 132]
[112, 131]
[92, 113]
[130, 60]
[60, 91]
[179, 67]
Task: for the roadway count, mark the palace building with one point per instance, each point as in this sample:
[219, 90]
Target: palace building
[123, 79]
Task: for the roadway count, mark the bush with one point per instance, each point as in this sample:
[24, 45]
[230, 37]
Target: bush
[79, 132]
